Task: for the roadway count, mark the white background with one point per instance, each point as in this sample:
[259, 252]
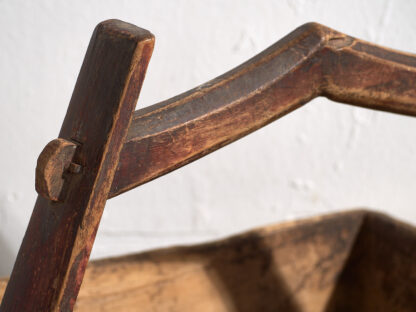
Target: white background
[324, 157]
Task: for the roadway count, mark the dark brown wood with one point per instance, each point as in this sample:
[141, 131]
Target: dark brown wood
[57, 244]
[311, 61]
[357, 261]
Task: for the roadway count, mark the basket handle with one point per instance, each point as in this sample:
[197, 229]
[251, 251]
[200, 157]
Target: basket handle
[311, 61]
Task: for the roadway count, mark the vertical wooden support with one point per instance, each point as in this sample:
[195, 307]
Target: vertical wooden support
[51, 262]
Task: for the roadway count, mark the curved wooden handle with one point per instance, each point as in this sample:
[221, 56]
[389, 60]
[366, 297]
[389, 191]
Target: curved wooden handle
[311, 61]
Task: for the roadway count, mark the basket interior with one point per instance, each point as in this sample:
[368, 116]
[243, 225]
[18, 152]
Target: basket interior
[355, 261]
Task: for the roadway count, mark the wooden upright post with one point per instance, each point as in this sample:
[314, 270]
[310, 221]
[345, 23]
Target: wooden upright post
[51, 262]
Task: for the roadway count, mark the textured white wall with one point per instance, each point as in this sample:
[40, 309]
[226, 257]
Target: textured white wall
[322, 158]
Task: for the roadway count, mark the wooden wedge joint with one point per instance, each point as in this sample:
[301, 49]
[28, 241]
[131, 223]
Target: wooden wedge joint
[53, 163]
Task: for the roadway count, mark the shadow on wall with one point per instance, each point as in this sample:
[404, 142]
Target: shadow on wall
[7, 256]
[8, 225]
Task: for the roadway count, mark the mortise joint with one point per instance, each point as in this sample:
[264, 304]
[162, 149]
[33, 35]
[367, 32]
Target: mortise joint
[74, 168]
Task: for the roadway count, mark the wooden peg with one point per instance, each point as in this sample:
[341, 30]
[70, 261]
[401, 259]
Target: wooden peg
[54, 160]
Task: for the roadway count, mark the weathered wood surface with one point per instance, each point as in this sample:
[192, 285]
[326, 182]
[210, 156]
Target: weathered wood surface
[55, 250]
[357, 261]
[311, 61]
[308, 267]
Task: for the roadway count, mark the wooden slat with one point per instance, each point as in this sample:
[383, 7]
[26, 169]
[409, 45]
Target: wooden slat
[355, 261]
[290, 267]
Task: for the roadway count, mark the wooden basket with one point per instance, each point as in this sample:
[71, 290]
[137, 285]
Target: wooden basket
[353, 261]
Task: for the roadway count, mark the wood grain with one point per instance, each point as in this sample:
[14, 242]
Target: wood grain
[311, 61]
[357, 261]
[342, 262]
[55, 250]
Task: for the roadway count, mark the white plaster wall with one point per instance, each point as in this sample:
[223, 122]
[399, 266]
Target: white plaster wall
[322, 158]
